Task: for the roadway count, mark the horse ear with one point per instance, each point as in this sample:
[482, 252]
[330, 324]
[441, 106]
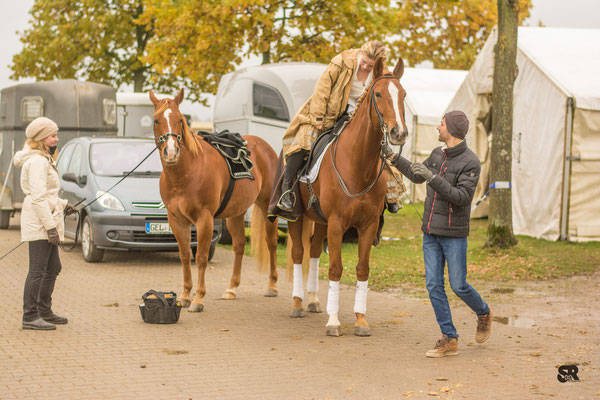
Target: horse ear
[153, 98]
[378, 68]
[179, 97]
[399, 69]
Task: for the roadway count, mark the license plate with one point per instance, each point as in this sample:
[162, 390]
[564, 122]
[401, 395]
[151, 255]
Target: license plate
[158, 228]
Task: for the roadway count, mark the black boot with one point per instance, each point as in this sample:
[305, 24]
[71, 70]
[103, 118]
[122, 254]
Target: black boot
[288, 197]
[293, 164]
[53, 318]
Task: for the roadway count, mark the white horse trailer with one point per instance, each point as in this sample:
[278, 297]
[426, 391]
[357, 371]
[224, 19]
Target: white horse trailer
[78, 108]
[135, 113]
[262, 100]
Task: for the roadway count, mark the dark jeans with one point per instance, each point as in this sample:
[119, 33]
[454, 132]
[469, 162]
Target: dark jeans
[44, 267]
[437, 251]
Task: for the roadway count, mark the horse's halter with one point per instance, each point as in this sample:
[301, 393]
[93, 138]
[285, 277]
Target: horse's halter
[384, 143]
[163, 138]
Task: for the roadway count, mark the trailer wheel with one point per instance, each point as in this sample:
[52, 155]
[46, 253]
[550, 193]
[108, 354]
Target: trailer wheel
[4, 219]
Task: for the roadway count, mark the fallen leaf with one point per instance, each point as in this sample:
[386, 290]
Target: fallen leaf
[175, 352]
[444, 389]
[433, 393]
[407, 394]
[401, 314]
[223, 330]
[441, 378]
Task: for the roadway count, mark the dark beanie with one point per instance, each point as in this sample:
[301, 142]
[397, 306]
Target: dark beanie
[457, 124]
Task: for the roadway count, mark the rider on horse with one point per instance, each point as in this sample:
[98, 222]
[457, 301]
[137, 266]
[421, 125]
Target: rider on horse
[333, 100]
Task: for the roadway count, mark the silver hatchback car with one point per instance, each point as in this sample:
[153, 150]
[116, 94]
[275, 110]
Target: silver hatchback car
[131, 216]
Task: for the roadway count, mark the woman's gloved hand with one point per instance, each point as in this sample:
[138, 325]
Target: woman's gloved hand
[53, 236]
[69, 210]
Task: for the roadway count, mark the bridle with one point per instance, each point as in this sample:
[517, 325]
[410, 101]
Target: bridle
[384, 142]
[163, 138]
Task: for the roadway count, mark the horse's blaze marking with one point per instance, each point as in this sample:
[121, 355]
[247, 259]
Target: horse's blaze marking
[394, 94]
[170, 141]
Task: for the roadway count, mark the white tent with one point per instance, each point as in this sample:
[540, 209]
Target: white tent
[428, 92]
[556, 131]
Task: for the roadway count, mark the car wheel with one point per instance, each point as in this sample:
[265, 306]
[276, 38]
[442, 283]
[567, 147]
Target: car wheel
[211, 251]
[91, 253]
[4, 219]
[225, 235]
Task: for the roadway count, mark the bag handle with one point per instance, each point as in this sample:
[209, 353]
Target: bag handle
[160, 295]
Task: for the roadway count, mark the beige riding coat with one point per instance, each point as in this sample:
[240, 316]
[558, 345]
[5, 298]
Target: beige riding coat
[326, 105]
[42, 208]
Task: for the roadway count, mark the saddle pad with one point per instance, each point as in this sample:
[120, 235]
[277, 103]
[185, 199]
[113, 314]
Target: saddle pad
[313, 171]
[233, 149]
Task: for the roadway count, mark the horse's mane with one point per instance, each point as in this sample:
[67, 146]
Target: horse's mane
[191, 140]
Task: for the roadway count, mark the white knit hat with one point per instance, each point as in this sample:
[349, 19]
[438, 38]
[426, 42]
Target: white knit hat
[40, 128]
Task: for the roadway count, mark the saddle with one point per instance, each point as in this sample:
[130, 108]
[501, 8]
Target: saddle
[314, 157]
[233, 149]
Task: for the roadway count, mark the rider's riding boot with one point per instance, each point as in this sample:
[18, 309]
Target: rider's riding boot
[288, 198]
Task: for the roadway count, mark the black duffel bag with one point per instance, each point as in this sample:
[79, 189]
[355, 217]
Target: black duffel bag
[160, 307]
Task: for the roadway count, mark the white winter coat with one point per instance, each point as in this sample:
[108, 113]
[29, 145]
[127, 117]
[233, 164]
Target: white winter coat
[42, 208]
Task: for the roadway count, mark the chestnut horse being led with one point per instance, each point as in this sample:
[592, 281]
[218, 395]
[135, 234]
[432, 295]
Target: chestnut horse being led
[351, 192]
[193, 183]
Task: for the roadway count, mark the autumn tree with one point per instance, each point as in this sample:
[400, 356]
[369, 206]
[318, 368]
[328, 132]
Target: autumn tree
[448, 33]
[500, 229]
[96, 40]
[197, 41]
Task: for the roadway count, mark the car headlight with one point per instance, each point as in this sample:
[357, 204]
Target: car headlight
[109, 201]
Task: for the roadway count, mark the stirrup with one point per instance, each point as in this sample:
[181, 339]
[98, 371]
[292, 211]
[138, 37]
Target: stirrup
[292, 194]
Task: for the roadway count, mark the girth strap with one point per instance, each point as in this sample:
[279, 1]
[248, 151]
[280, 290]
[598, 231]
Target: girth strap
[227, 196]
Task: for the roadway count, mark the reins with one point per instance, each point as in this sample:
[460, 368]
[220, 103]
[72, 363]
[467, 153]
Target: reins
[384, 144]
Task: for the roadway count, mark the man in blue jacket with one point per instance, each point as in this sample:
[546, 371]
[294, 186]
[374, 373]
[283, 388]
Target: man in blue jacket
[451, 173]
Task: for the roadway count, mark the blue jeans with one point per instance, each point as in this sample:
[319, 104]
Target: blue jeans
[437, 251]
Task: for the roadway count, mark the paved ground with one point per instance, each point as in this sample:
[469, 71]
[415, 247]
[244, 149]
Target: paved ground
[250, 349]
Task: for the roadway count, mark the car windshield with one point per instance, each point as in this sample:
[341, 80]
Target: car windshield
[118, 158]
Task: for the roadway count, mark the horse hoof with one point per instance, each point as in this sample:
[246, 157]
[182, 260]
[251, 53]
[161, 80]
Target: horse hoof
[271, 292]
[228, 295]
[334, 331]
[362, 331]
[314, 307]
[196, 307]
[297, 313]
[185, 303]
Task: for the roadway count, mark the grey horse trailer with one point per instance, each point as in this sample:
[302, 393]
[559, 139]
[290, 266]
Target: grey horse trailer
[78, 108]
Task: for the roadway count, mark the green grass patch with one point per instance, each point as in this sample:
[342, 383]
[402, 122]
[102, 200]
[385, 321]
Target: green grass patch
[397, 262]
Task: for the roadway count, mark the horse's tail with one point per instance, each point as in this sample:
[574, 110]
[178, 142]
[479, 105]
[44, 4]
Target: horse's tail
[308, 227]
[258, 239]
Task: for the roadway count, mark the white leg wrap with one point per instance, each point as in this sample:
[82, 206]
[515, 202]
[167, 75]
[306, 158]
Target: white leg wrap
[360, 299]
[312, 285]
[333, 298]
[298, 285]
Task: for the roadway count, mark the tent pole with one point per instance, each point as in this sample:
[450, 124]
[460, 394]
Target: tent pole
[414, 154]
[564, 215]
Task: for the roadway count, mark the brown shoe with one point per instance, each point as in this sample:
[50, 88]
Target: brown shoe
[484, 327]
[444, 347]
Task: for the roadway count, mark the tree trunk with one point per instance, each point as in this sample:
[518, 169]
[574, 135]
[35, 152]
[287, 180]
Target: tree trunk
[266, 57]
[138, 80]
[500, 229]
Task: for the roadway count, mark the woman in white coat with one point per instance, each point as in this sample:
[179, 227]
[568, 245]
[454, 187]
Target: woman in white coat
[42, 222]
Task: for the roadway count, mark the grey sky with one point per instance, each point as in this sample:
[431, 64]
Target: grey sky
[554, 13]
